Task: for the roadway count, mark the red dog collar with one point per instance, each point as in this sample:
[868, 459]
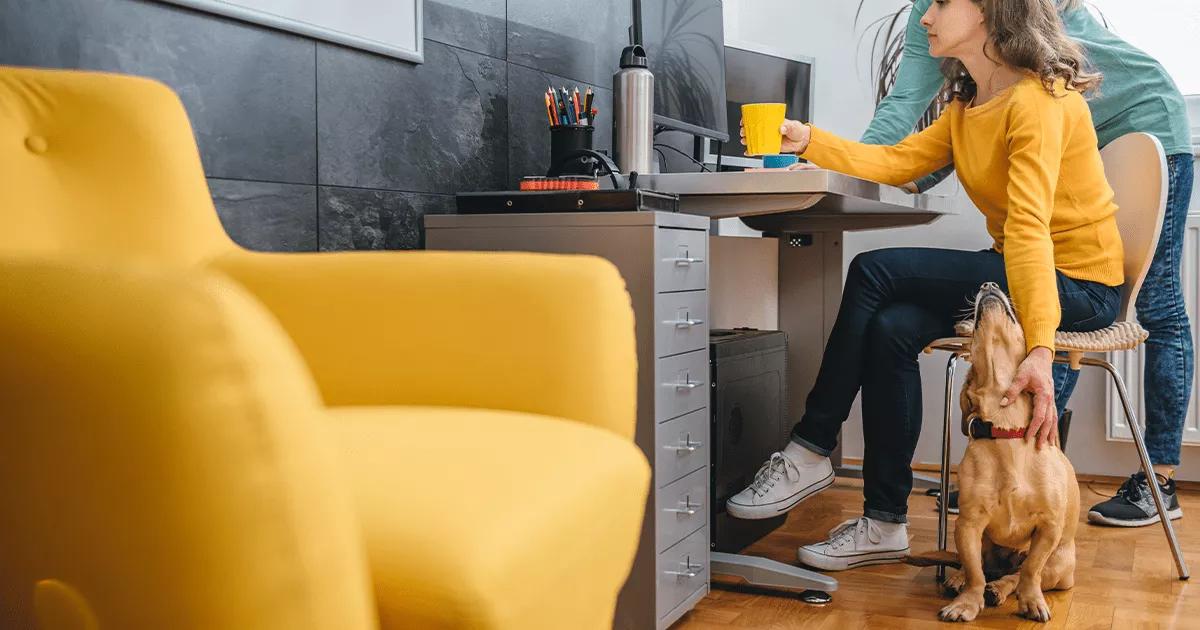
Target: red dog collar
[980, 429]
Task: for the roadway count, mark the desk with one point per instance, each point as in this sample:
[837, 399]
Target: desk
[666, 260]
[808, 211]
[809, 200]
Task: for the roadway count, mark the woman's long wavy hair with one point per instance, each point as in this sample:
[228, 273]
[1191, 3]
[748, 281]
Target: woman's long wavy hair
[888, 44]
[1025, 34]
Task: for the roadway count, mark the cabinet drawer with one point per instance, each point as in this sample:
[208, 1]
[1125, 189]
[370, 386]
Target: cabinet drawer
[681, 384]
[682, 446]
[681, 260]
[680, 322]
[681, 508]
[682, 570]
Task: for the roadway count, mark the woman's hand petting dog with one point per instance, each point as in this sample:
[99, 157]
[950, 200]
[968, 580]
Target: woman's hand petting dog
[1034, 376]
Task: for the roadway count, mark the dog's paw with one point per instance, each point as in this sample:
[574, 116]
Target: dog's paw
[996, 592]
[964, 608]
[992, 596]
[1033, 606]
[954, 584]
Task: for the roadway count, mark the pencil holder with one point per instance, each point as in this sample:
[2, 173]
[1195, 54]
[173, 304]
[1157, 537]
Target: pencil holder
[565, 139]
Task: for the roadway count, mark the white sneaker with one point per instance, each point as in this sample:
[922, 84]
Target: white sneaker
[783, 482]
[857, 542]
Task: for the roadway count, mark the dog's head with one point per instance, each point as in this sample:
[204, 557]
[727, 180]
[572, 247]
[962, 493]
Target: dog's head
[997, 349]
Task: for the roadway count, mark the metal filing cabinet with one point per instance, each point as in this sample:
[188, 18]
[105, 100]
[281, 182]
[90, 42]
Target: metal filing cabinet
[663, 257]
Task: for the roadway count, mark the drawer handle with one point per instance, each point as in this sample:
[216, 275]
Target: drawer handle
[688, 445]
[684, 385]
[684, 323]
[689, 570]
[688, 508]
[684, 262]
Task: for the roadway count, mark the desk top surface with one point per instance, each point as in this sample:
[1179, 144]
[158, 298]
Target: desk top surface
[751, 193]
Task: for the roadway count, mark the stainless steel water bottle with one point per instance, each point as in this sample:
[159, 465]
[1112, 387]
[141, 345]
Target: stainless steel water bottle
[633, 113]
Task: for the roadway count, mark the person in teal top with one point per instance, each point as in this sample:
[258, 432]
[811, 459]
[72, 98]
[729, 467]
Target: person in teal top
[1137, 94]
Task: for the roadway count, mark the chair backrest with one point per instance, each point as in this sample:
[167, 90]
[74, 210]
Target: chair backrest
[1136, 168]
[103, 166]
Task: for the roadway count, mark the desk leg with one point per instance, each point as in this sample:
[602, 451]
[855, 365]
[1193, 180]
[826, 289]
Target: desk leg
[810, 291]
[806, 320]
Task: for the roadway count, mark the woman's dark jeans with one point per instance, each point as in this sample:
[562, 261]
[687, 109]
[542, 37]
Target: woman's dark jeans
[896, 301]
[1167, 375]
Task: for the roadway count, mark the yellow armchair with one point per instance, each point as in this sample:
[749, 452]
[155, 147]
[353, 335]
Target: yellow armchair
[481, 406]
[485, 403]
[536, 333]
[165, 462]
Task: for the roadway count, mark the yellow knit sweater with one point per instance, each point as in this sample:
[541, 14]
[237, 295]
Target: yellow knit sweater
[1029, 161]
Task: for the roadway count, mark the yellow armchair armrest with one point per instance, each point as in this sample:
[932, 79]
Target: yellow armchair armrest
[166, 461]
[538, 333]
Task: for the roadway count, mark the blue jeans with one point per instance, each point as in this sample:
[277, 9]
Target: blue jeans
[1167, 380]
[895, 302]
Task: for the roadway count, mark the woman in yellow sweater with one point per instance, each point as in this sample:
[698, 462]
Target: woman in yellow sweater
[1021, 138]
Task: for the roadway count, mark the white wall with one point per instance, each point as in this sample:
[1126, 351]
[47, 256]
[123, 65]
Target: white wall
[823, 30]
[1167, 30]
[844, 104]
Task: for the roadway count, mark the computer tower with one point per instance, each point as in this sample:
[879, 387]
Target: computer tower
[749, 422]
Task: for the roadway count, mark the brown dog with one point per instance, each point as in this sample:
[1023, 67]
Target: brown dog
[1018, 504]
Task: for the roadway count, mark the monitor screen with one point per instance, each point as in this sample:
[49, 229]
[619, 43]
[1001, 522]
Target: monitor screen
[755, 77]
[685, 44]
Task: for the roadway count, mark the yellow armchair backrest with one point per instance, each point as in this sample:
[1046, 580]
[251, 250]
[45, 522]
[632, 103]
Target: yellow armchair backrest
[99, 165]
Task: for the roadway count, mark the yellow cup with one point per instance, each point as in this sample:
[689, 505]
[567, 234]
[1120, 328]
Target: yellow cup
[762, 122]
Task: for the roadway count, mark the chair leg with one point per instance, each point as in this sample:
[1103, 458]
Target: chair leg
[944, 503]
[1147, 468]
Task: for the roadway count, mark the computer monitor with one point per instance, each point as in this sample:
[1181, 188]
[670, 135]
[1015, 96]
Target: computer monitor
[685, 44]
[756, 75]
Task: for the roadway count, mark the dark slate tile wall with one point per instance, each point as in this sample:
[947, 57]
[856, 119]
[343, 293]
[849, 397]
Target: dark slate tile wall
[440, 126]
[267, 216]
[478, 25]
[581, 40]
[361, 218]
[249, 91]
[313, 146]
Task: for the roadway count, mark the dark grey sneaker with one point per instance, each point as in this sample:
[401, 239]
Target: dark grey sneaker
[1133, 506]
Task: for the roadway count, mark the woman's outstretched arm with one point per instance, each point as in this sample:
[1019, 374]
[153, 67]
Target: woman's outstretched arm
[916, 156]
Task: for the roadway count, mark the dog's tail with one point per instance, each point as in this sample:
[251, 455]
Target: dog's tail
[934, 559]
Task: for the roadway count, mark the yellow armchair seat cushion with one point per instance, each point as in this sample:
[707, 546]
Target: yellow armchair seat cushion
[478, 518]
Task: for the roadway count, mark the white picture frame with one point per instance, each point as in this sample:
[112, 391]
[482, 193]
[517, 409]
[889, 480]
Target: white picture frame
[334, 21]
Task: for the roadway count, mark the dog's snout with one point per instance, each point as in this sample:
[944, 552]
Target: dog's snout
[990, 295]
[989, 292]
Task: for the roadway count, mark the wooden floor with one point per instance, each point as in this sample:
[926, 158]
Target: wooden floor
[1125, 577]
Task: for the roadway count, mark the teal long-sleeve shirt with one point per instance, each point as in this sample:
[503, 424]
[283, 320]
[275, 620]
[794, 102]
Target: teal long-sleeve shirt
[1137, 93]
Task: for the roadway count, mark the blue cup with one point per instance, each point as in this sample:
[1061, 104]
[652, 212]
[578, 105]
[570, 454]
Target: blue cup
[783, 160]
